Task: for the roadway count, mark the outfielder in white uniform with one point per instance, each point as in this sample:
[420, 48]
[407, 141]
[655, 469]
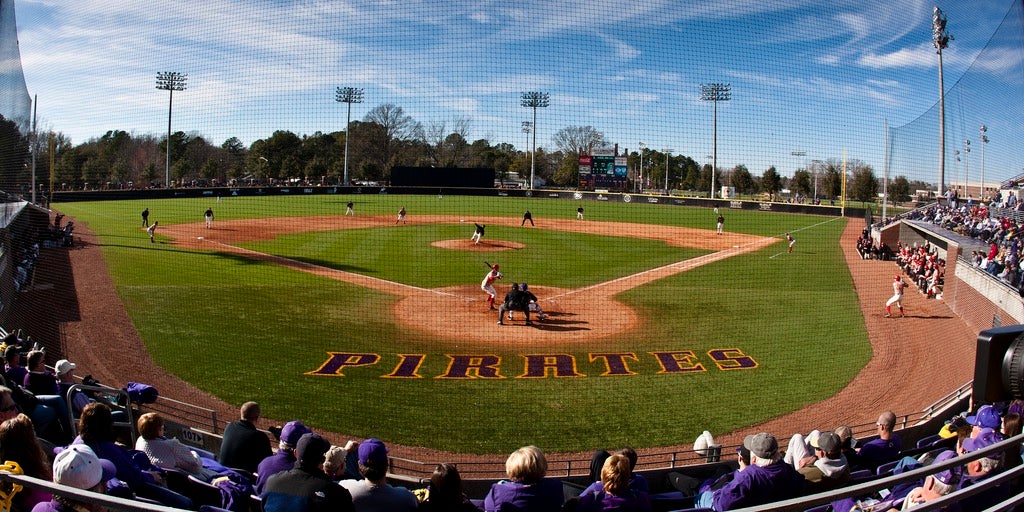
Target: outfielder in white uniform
[897, 297]
[488, 284]
[478, 234]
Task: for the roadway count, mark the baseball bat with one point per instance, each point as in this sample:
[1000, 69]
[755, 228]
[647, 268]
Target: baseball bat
[488, 264]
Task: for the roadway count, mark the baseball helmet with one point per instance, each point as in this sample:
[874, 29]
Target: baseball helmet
[897, 277]
[524, 287]
[494, 267]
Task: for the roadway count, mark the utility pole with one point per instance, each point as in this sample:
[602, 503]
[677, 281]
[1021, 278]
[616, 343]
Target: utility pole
[715, 92]
[667, 152]
[348, 95]
[534, 100]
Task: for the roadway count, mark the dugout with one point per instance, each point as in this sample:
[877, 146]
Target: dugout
[472, 177]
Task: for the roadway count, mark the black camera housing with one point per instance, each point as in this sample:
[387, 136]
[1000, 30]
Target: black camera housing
[999, 365]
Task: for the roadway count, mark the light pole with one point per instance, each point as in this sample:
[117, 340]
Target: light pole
[534, 100]
[941, 38]
[799, 153]
[170, 81]
[956, 169]
[640, 179]
[715, 92]
[667, 152]
[984, 141]
[348, 95]
[967, 158]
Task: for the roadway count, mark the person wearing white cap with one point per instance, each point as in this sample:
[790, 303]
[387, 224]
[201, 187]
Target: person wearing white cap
[77, 466]
[767, 479]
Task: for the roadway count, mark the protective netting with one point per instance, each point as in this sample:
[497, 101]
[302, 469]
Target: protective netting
[988, 93]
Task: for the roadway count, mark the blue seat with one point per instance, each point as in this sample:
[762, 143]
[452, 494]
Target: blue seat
[926, 442]
[886, 469]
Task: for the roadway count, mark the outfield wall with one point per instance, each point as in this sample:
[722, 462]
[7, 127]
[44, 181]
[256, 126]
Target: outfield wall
[574, 195]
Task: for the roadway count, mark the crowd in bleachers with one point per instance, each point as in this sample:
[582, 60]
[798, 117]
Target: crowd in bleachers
[305, 472]
[924, 267]
[1003, 236]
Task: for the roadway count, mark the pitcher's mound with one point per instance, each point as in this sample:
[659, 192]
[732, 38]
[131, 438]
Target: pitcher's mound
[483, 246]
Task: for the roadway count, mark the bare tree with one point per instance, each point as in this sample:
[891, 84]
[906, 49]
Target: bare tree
[577, 140]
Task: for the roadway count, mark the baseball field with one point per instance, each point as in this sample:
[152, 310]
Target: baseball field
[658, 327]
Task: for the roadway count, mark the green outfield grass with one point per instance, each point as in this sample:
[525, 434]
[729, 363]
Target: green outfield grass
[246, 330]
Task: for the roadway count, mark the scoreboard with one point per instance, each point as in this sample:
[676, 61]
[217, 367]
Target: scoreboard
[603, 170]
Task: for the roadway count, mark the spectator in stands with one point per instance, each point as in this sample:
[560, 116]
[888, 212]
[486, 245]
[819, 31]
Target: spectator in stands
[767, 479]
[986, 417]
[43, 384]
[243, 446]
[78, 467]
[13, 370]
[636, 482]
[936, 485]
[445, 493]
[18, 444]
[799, 451]
[306, 487]
[615, 492]
[830, 469]
[284, 459]
[848, 443]
[597, 464]
[373, 493]
[980, 469]
[527, 487]
[96, 429]
[343, 462]
[168, 453]
[885, 448]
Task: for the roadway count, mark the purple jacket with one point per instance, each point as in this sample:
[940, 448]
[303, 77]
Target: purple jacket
[283, 460]
[879, 451]
[632, 501]
[543, 496]
[758, 485]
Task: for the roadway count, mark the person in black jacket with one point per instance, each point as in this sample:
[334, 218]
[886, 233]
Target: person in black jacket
[306, 487]
[506, 305]
[244, 447]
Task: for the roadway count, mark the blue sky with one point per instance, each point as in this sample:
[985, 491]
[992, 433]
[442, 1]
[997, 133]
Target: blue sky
[811, 76]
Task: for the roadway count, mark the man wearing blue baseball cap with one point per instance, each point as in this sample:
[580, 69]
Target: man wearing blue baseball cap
[987, 417]
[306, 487]
[374, 494]
[980, 469]
[284, 458]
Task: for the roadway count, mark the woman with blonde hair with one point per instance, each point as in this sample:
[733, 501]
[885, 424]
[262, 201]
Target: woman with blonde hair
[527, 487]
[167, 453]
[616, 493]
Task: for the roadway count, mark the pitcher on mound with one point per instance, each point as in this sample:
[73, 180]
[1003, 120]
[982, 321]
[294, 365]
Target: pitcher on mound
[488, 284]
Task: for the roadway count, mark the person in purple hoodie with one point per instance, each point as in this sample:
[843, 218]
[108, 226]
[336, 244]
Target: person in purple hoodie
[284, 458]
[615, 493]
[527, 487]
[767, 479]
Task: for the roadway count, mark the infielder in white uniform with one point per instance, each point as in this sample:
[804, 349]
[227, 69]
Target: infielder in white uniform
[897, 297]
[488, 284]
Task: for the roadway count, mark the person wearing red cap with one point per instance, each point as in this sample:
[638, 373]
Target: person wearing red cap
[898, 285]
[487, 284]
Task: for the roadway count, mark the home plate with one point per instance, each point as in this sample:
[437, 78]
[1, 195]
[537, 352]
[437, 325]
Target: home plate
[199, 238]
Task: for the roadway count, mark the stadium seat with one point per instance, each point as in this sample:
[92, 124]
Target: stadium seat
[886, 469]
[926, 442]
[203, 493]
[674, 500]
[827, 507]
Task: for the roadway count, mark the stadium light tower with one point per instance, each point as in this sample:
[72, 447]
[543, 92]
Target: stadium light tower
[170, 81]
[640, 179]
[941, 38]
[348, 95]
[668, 152]
[967, 175]
[984, 141]
[534, 100]
[715, 92]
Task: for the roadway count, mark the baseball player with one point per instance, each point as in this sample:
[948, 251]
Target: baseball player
[791, 241]
[209, 218]
[488, 285]
[510, 297]
[349, 209]
[152, 230]
[579, 213]
[527, 216]
[478, 234]
[897, 297]
[401, 216]
[721, 221]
